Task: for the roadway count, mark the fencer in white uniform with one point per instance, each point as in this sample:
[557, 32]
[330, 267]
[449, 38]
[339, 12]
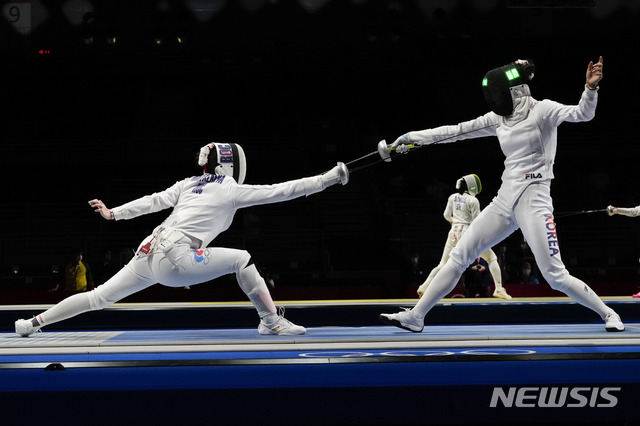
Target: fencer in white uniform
[176, 254]
[625, 211]
[463, 208]
[527, 132]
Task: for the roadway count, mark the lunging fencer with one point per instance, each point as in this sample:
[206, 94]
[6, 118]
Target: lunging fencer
[176, 254]
[527, 132]
[629, 212]
[463, 208]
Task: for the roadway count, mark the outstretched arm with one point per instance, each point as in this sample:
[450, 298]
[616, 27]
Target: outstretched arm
[624, 211]
[480, 127]
[252, 195]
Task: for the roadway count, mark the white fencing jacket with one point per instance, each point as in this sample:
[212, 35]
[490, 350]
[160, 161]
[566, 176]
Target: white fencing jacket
[529, 145]
[204, 206]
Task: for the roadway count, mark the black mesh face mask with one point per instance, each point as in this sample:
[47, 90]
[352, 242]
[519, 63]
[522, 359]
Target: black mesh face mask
[498, 81]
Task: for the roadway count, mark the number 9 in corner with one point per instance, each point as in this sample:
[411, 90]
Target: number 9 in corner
[18, 14]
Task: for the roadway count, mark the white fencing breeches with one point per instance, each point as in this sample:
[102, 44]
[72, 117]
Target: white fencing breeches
[178, 267]
[533, 214]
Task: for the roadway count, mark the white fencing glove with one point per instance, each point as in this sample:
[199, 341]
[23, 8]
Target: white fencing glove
[401, 144]
[339, 174]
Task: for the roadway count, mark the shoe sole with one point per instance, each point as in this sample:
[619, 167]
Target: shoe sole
[27, 334]
[614, 329]
[269, 332]
[499, 296]
[397, 324]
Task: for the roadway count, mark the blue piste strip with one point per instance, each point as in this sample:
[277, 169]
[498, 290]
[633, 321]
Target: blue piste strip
[388, 374]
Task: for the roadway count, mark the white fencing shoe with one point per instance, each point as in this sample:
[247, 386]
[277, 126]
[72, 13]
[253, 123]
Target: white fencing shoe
[406, 320]
[501, 293]
[612, 322]
[25, 327]
[281, 326]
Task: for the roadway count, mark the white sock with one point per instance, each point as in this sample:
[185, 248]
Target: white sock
[494, 269]
[582, 293]
[270, 318]
[69, 307]
[256, 290]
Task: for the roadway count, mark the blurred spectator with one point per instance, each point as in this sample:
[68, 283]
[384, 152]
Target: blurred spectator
[526, 276]
[477, 279]
[107, 268]
[77, 274]
[525, 266]
[414, 270]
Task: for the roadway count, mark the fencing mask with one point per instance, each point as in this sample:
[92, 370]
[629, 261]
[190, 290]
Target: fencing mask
[224, 159]
[469, 183]
[502, 85]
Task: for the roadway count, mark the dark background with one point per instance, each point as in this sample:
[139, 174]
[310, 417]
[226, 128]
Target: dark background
[102, 100]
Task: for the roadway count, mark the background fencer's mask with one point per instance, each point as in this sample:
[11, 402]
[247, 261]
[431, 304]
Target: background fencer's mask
[503, 85]
[224, 159]
[471, 183]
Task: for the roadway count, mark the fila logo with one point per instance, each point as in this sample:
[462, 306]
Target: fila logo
[533, 176]
[554, 397]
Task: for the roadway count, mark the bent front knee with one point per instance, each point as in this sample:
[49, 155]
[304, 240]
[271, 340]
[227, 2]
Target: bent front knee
[558, 280]
[97, 301]
[244, 260]
[460, 261]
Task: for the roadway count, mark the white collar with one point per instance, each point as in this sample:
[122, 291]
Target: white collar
[521, 96]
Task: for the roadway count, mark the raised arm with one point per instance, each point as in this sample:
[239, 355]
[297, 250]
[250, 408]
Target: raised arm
[594, 74]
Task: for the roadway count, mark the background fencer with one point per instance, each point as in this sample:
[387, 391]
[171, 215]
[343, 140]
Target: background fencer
[463, 208]
[527, 132]
[177, 252]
